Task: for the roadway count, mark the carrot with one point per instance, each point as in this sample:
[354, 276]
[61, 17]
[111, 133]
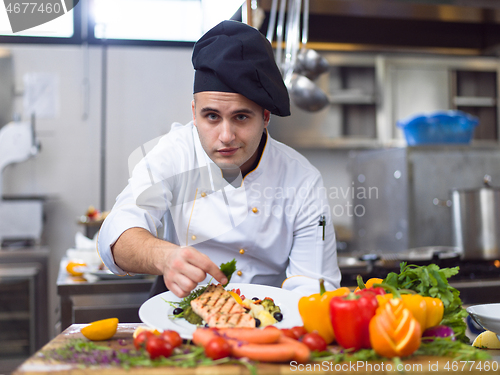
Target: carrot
[277, 352]
[251, 335]
[302, 352]
[283, 350]
[202, 336]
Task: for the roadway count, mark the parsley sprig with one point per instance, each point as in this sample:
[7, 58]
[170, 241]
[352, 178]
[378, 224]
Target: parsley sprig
[228, 269]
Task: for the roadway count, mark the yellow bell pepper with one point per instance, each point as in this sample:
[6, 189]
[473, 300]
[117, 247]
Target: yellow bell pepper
[369, 283]
[435, 311]
[428, 311]
[315, 311]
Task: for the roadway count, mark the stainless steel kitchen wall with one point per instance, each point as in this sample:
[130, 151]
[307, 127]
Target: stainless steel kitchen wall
[414, 186]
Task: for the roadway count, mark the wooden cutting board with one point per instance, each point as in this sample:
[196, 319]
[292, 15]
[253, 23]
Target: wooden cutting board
[123, 340]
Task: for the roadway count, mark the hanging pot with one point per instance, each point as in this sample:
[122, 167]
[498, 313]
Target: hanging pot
[476, 221]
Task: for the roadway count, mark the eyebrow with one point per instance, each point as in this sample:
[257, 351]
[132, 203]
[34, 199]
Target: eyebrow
[235, 112]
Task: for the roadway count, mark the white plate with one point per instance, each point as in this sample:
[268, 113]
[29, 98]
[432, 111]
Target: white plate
[487, 316]
[157, 313]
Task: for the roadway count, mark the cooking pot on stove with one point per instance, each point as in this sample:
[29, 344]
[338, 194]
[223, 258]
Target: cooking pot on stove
[476, 221]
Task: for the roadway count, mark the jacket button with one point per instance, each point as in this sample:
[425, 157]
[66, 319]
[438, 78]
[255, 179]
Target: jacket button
[242, 251]
[239, 273]
[255, 210]
[203, 194]
[193, 237]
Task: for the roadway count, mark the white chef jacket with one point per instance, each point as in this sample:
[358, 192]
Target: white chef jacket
[275, 222]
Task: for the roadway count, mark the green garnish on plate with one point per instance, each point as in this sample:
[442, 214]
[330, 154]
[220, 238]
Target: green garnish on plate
[185, 304]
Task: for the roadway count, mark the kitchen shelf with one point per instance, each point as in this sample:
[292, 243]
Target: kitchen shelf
[351, 97]
[15, 315]
[474, 101]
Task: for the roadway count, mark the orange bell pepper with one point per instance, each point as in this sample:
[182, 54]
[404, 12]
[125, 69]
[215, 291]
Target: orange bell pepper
[315, 311]
[394, 332]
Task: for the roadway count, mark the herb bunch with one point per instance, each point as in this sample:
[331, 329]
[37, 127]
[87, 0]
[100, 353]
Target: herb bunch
[432, 281]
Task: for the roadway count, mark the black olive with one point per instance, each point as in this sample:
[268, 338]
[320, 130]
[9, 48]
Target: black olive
[255, 299]
[257, 322]
[206, 325]
[178, 310]
[278, 316]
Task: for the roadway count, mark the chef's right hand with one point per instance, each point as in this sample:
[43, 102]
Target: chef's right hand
[185, 267]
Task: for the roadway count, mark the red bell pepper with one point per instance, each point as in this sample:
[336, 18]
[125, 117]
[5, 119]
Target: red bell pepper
[374, 290]
[350, 316]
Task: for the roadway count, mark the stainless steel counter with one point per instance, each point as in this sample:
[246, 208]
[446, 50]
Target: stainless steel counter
[87, 299]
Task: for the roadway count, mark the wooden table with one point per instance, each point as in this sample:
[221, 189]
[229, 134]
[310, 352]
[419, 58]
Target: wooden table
[123, 339]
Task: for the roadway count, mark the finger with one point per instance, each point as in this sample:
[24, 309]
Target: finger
[181, 286]
[203, 262]
[213, 270]
[197, 275]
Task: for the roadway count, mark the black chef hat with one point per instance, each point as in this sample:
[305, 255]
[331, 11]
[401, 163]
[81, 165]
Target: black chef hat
[235, 57]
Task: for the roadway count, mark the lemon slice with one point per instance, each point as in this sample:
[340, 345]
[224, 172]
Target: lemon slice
[487, 340]
[101, 329]
[70, 268]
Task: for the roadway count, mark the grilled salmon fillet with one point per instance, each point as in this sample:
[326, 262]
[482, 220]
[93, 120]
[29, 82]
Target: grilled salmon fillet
[219, 309]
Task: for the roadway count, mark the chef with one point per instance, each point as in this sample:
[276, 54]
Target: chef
[220, 188]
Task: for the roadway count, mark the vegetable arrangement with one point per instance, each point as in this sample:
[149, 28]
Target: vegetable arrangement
[413, 312]
[395, 317]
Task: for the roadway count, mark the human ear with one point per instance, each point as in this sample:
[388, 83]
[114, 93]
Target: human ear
[267, 117]
[193, 108]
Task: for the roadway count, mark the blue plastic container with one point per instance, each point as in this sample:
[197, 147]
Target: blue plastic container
[439, 127]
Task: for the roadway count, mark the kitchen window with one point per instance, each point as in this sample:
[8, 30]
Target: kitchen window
[61, 30]
[132, 22]
[158, 20]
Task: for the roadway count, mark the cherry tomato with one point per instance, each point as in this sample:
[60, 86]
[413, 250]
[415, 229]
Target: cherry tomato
[298, 331]
[172, 337]
[158, 347]
[218, 348]
[141, 339]
[288, 332]
[314, 341]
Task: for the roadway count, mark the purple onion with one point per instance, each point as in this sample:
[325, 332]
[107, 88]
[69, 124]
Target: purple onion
[438, 331]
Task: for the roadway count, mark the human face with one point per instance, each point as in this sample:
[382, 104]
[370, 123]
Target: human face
[230, 127]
